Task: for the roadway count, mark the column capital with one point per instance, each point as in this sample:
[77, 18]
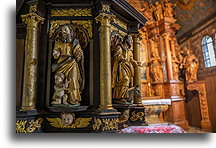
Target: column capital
[166, 35]
[137, 37]
[105, 19]
[32, 18]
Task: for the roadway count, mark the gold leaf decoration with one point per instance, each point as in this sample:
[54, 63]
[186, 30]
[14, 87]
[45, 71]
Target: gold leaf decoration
[110, 124]
[97, 123]
[21, 125]
[137, 116]
[71, 12]
[54, 24]
[78, 123]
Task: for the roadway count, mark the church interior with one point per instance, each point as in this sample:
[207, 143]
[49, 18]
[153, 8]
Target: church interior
[115, 66]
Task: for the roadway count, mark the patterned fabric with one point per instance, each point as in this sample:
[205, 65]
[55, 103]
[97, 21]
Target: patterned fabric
[154, 128]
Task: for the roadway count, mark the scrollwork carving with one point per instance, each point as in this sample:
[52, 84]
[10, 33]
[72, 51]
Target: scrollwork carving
[135, 116]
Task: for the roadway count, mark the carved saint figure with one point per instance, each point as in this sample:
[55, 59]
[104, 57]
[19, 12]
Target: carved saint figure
[69, 68]
[158, 11]
[175, 67]
[122, 68]
[191, 65]
[168, 9]
[156, 67]
[147, 11]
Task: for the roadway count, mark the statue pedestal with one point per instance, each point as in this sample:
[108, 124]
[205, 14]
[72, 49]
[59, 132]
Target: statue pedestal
[200, 87]
[29, 122]
[105, 121]
[131, 115]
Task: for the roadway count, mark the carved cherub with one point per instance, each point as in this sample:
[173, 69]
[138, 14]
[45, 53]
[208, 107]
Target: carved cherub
[67, 118]
[60, 86]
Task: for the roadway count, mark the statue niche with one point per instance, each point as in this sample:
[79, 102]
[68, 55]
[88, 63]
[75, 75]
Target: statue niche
[68, 67]
[123, 69]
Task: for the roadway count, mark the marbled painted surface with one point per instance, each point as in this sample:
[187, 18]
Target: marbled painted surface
[190, 18]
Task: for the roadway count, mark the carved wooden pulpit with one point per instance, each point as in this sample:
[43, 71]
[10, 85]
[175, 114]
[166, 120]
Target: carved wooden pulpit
[68, 66]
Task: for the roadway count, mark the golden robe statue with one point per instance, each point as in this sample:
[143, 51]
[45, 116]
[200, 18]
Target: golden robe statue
[69, 62]
[122, 69]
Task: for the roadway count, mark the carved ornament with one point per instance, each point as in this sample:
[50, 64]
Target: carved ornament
[23, 127]
[78, 123]
[97, 124]
[106, 8]
[135, 116]
[106, 124]
[54, 24]
[71, 12]
[110, 124]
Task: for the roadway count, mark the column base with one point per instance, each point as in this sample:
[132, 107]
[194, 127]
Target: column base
[105, 121]
[105, 107]
[206, 126]
[27, 108]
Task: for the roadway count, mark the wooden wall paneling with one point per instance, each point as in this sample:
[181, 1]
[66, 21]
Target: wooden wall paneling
[211, 97]
[193, 112]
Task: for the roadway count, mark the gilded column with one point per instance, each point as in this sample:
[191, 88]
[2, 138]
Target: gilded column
[105, 60]
[137, 77]
[168, 56]
[32, 19]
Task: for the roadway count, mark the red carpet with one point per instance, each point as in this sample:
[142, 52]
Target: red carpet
[154, 128]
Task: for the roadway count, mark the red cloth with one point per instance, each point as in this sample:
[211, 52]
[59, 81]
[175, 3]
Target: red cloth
[154, 128]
